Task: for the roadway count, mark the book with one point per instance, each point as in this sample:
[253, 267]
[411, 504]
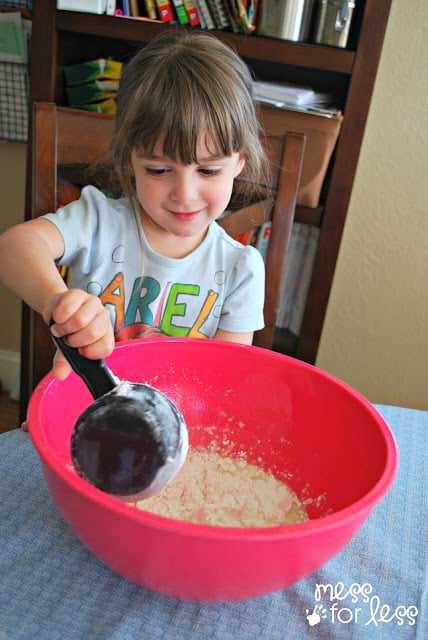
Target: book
[101, 69]
[244, 14]
[231, 16]
[108, 105]
[218, 13]
[205, 16]
[90, 92]
[165, 11]
[304, 280]
[110, 7]
[263, 236]
[180, 12]
[134, 8]
[287, 279]
[150, 6]
[246, 237]
[297, 276]
[97, 85]
[192, 12]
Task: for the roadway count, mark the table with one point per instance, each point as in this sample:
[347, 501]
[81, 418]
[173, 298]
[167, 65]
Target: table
[52, 588]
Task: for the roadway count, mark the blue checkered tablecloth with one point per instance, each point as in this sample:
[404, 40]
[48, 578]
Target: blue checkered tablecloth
[52, 588]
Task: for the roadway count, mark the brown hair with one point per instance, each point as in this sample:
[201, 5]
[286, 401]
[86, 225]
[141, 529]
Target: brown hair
[181, 84]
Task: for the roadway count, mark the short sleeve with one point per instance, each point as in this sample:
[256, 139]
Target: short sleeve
[243, 305]
[86, 226]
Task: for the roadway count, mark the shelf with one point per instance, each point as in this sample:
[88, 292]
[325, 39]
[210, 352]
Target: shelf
[249, 47]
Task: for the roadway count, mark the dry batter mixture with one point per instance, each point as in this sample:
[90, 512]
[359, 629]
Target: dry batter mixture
[216, 490]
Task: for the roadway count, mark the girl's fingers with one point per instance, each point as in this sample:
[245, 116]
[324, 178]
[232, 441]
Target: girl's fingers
[75, 310]
[60, 368]
[94, 328]
[83, 321]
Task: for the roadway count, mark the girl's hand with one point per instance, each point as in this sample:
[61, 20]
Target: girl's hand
[85, 324]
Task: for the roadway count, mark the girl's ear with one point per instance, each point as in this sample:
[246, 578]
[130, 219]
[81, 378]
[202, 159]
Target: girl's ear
[239, 166]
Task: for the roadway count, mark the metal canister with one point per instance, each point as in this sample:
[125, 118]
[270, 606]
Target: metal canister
[286, 19]
[333, 22]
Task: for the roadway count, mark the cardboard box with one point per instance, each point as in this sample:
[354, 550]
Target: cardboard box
[321, 137]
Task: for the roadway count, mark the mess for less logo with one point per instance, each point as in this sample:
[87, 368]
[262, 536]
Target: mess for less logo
[356, 604]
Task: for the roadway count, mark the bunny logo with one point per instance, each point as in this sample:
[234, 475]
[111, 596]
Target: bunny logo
[316, 616]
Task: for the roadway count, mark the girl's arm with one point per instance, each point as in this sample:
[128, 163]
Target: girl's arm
[242, 338]
[27, 267]
[27, 262]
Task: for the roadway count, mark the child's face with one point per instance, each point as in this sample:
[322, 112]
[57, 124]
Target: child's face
[181, 200]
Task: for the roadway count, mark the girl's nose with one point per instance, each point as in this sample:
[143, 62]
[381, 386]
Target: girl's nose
[184, 190]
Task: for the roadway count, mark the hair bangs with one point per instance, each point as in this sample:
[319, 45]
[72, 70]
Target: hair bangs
[177, 123]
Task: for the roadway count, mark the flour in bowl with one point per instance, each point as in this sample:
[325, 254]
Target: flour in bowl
[221, 491]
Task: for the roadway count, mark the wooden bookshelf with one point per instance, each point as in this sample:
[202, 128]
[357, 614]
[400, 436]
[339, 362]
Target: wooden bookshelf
[65, 37]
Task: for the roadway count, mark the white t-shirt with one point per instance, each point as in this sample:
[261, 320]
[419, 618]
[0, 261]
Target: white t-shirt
[220, 285]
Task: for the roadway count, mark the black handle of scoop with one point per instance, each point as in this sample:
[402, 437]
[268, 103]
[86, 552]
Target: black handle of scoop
[95, 373]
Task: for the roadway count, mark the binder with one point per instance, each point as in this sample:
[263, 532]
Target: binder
[150, 6]
[180, 12]
[205, 17]
[165, 10]
[192, 12]
[134, 9]
[219, 14]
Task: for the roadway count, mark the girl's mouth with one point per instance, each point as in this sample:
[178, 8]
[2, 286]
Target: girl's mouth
[185, 217]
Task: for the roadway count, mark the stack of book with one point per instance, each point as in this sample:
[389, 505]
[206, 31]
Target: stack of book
[298, 269]
[93, 85]
[297, 276]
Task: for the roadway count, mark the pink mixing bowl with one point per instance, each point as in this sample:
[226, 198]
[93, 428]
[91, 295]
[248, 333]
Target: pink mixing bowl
[323, 438]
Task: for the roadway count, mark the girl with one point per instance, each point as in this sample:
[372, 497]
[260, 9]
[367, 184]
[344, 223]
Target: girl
[155, 260]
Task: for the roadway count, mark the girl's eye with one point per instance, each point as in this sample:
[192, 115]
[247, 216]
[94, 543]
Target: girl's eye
[152, 171]
[162, 171]
[209, 172]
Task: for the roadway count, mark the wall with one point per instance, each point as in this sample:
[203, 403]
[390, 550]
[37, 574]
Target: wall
[12, 188]
[375, 332]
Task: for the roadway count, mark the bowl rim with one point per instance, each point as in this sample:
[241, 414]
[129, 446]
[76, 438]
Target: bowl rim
[358, 511]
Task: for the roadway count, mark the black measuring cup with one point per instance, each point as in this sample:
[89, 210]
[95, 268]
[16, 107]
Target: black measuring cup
[132, 440]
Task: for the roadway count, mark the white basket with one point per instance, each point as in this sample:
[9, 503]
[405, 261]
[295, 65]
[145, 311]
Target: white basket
[14, 92]
[89, 6]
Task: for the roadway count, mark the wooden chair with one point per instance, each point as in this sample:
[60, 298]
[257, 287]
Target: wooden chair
[68, 141]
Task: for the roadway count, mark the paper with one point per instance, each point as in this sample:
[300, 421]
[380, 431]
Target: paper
[13, 45]
[288, 93]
